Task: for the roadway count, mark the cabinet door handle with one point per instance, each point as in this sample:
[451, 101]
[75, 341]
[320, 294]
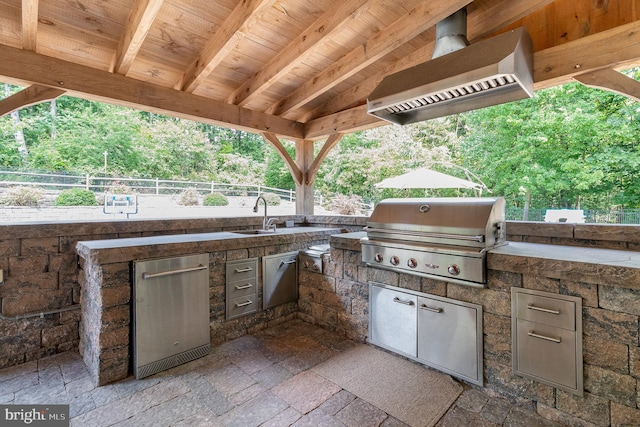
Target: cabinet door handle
[244, 304]
[545, 310]
[426, 307]
[543, 337]
[243, 270]
[247, 286]
[396, 299]
[293, 261]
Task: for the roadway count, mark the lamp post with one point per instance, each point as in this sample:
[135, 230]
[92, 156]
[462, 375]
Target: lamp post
[105, 160]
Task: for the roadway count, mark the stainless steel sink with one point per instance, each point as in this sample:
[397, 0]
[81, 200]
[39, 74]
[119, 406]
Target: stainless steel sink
[250, 232]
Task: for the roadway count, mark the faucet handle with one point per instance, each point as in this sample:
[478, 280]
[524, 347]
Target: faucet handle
[271, 223]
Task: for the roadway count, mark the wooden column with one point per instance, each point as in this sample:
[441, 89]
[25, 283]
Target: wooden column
[304, 190]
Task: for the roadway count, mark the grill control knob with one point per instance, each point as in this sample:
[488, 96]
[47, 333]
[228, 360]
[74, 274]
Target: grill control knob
[394, 260]
[378, 257]
[453, 269]
[316, 267]
[412, 263]
[306, 264]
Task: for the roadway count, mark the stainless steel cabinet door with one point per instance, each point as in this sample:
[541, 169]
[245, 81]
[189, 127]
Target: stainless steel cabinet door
[171, 312]
[280, 279]
[392, 320]
[448, 338]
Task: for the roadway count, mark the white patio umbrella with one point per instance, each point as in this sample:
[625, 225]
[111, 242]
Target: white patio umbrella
[427, 178]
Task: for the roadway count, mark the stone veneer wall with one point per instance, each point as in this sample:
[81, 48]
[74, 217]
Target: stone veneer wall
[338, 300]
[41, 273]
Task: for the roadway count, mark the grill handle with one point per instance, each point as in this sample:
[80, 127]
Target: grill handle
[479, 238]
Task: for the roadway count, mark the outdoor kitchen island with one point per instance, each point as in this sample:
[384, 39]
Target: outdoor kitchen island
[606, 281]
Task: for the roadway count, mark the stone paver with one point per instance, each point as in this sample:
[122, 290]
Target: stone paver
[255, 380]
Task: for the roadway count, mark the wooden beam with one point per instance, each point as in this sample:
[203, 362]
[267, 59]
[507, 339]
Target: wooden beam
[351, 120]
[328, 145]
[142, 16]
[611, 80]
[297, 51]
[618, 47]
[29, 24]
[29, 96]
[296, 173]
[416, 21]
[25, 68]
[304, 192]
[241, 19]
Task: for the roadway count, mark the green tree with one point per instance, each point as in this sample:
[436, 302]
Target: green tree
[568, 147]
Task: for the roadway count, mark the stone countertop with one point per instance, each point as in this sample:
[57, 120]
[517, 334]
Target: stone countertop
[122, 250]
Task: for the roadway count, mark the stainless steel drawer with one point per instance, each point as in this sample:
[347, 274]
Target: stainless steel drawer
[550, 311]
[240, 306]
[242, 288]
[242, 270]
[546, 331]
[547, 353]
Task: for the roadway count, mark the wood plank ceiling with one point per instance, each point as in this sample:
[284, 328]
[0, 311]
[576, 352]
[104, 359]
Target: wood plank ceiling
[298, 69]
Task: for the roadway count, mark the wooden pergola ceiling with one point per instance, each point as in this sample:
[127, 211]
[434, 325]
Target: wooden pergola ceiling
[293, 69]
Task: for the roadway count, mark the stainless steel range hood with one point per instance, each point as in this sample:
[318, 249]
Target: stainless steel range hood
[490, 72]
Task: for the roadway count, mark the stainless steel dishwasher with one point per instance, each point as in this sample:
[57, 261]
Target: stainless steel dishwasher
[171, 312]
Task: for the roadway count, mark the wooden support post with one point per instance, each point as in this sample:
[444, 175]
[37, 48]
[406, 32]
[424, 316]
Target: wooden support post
[304, 190]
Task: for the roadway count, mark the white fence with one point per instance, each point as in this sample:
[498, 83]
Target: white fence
[56, 182]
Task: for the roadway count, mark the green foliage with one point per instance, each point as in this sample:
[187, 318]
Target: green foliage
[76, 197]
[272, 199]
[23, 196]
[568, 147]
[215, 199]
[189, 197]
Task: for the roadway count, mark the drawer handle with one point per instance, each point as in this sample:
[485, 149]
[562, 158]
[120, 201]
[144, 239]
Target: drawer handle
[247, 286]
[434, 310]
[545, 310]
[244, 304]
[243, 270]
[396, 299]
[543, 337]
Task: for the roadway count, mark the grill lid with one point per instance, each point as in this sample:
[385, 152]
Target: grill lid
[467, 221]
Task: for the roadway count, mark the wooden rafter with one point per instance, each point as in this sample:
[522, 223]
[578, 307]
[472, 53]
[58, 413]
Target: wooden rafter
[244, 15]
[427, 14]
[611, 80]
[297, 51]
[24, 66]
[296, 172]
[29, 24]
[142, 16]
[29, 96]
[331, 142]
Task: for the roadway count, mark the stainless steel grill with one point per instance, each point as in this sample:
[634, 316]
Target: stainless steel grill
[442, 238]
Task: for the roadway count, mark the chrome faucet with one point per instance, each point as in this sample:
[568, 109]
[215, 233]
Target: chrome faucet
[265, 222]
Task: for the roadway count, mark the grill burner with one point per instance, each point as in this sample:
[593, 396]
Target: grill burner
[442, 238]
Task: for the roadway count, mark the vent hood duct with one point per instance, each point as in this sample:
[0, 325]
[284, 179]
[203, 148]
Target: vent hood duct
[490, 72]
